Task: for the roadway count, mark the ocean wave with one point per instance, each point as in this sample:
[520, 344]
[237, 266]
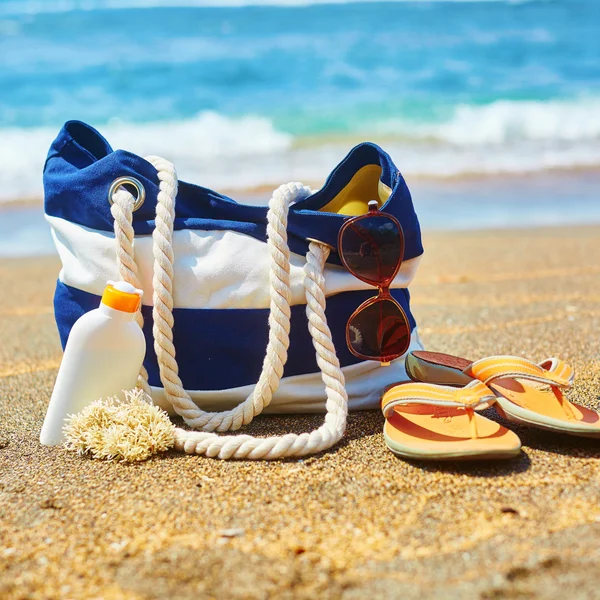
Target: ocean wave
[209, 141]
[240, 153]
[17, 7]
[505, 122]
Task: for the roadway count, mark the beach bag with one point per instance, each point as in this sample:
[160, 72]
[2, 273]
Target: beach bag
[223, 281]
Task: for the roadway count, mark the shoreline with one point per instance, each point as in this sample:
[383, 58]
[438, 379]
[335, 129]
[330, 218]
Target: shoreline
[419, 182]
[523, 202]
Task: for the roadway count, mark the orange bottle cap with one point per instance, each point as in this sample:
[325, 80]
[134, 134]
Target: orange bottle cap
[122, 296]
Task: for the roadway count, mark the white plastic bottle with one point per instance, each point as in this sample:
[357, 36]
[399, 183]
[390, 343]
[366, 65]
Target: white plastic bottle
[103, 357]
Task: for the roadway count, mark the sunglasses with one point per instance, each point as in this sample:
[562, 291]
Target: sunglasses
[371, 247]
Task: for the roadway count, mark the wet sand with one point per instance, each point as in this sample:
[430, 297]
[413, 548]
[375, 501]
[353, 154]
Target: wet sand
[351, 523]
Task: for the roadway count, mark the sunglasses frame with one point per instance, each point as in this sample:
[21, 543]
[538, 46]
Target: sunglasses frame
[382, 287]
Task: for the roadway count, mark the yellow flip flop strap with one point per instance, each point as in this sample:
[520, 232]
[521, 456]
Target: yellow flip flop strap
[472, 395]
[552, 371]
[475, 394]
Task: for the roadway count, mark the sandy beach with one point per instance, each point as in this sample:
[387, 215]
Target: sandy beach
[490, 110]
[353, 522]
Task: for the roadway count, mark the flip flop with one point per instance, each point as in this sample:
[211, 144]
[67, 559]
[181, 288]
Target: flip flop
[527, 393]
[434, 422]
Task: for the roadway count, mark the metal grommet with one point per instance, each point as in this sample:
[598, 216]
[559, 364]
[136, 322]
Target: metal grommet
[308, 239]
[136, 183]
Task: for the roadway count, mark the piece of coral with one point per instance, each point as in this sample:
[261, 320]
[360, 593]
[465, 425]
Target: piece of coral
[129, 430]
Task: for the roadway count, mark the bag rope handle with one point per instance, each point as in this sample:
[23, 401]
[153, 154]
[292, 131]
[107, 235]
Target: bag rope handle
[238, 446]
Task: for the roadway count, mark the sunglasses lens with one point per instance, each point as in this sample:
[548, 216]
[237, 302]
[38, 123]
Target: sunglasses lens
[372, 248]
[380, 331]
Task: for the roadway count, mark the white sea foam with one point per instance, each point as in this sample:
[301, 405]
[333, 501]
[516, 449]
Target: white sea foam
[208, 144]
[238, 153]
[22, 154]
[507, 121]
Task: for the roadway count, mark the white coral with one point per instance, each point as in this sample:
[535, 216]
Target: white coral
[129, 430]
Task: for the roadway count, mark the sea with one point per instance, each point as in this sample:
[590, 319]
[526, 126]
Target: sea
[488, 106]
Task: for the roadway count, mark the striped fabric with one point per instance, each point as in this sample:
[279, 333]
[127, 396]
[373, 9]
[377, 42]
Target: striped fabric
[221, 292]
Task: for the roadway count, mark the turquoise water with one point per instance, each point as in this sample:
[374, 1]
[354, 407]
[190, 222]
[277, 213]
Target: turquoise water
[310, 70]
[450, 88]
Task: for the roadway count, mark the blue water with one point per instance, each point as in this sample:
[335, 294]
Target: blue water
[311, 70]
[450, 89]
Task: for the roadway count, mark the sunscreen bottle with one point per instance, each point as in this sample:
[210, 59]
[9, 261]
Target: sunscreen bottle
[103, 357]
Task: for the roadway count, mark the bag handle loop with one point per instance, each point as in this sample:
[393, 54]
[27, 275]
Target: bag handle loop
[205, 441]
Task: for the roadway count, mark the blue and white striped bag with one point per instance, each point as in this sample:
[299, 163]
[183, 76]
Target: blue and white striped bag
[221, 291]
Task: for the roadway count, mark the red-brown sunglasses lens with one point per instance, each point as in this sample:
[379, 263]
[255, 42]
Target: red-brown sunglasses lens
[372, 248]
[379, 330]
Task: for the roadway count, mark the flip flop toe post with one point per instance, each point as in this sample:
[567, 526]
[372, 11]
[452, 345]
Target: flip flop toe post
[527, 393]
[426, 421]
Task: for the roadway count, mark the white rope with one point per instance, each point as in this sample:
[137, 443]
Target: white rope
[122, 212]
[238, 446]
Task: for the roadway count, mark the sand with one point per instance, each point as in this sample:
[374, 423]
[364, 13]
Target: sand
[354, 522]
